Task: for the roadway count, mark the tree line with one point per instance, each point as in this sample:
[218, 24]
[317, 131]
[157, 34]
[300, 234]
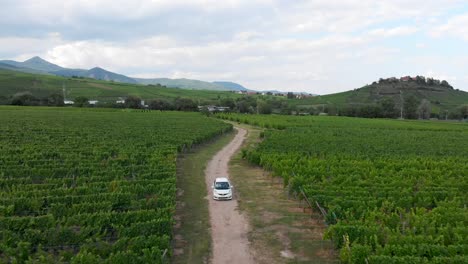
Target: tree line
[409, 107]
[28, 99]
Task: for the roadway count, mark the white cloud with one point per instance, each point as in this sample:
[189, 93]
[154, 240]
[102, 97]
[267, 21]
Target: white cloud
[421, 45]
[441, 76]
[264, 44]
[456, 26]
[393, 32]
[257, 62]
[26, 47]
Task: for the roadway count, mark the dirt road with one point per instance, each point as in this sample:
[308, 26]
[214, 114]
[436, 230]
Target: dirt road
[229, 228]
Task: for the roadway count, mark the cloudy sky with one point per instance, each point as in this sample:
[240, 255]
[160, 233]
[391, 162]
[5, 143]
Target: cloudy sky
[318, 46]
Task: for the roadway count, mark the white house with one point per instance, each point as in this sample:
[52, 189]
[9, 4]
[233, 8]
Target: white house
[214, 108]
[68, 102]
[93, 102]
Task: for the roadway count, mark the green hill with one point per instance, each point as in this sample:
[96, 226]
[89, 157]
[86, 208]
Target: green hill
[441, 95]
[34, 63]
[41, 86]
[184, 84]
[95, 73]
[12, 67]
[231, 86]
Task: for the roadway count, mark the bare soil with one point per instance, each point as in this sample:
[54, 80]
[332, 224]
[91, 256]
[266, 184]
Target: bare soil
[229, 228]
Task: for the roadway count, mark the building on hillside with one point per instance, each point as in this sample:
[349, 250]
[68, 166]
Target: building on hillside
[120, 101]
[93, 102]
[68, 102]
[303, 95]
[405, 79]
[222, 108]
[214, 108]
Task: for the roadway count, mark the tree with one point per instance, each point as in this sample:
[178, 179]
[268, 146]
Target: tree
[263, 107]
[463, 111]
[185, 104]
[331, 109]
[242, 106]
[454, 114]
[205, 111]
[246, 104]
[80, 101]
[290, 95]
[387, 105]
[410, 107]
[424, 109]
[55, 99]
[286, 109]
[24, 98]
[160, 104]
[420, 80]
[445, 84]
[4, 100]
[229, 102]
[133, 102]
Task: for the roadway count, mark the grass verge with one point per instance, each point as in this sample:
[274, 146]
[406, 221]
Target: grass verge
[192, 238]
[282, 230]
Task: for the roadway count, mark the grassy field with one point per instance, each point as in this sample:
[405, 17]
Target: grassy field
[192, 235]
[43, 85]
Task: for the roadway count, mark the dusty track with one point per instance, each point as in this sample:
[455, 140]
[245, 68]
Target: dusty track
[229, 228]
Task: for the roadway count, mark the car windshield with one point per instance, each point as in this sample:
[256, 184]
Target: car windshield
[221, 185]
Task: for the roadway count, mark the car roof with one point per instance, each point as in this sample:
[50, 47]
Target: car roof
[221, 180]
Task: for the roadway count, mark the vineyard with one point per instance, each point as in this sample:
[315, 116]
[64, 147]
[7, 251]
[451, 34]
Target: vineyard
[390, 191]
[91, 186]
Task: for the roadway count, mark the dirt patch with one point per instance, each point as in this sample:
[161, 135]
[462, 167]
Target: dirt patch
[229, 228]
[296, 210]
[269, 217]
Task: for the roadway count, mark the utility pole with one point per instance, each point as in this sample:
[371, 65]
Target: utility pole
[63, 90]
[401, 104]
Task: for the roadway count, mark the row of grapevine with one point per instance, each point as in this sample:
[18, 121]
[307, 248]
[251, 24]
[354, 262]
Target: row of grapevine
[83, 186]
[392, 191]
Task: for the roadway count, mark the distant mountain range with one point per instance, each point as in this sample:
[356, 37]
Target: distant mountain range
[11, 67]
[193, 84]
[38, 65]
[95, 73]
[231, 86]
[35, 63]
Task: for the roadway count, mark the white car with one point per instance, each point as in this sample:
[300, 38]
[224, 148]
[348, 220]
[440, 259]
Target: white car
[222, 189]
